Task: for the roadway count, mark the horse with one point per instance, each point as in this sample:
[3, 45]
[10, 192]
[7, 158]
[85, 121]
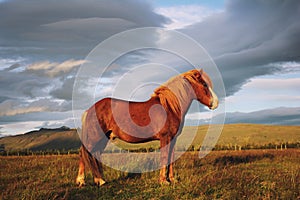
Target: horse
[161, 118]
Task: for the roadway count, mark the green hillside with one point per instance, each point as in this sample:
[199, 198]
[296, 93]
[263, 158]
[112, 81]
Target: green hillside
[251, 135]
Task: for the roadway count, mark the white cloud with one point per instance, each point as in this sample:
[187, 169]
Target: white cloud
[199, 115]
[41, 65]
[19, 127]
[284, 85]
[17, 111]
[184, 15]
[288, 67]
[69, 122]
[24, 127]
[53, 68]
[8, 63]
[266, 92]
[13, 107]
[65, 67]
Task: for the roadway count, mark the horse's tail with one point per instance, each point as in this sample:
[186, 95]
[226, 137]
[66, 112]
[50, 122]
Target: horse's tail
[83, 124]
[94, 165]
[91, 133]
[84, 132]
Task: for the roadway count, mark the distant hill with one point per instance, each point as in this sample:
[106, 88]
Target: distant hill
[62, 138]
[251, 135]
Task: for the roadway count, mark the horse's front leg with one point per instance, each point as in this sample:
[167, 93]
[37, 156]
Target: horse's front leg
[171, 161]
[80, 177]
[164, 158]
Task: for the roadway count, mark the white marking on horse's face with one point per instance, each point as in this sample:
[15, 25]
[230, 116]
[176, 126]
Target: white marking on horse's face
[214, 101]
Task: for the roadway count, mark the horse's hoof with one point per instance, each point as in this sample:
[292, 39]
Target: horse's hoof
[164, 182]
[80, 182]
[173, 180]
[99, 181]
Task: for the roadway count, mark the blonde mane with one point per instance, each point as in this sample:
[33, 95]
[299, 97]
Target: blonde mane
[175, 93]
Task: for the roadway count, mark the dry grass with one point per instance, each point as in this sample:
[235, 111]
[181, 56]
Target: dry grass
[255, 174]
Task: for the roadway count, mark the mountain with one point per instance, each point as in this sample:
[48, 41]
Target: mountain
[279, 116]
[62, 138]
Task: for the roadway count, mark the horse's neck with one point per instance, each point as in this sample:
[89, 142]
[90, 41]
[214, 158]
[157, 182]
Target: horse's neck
[185, 105]
[186, 99]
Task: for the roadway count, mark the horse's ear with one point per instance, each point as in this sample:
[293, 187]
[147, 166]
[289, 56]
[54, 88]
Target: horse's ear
[197, 73]
[201, 71]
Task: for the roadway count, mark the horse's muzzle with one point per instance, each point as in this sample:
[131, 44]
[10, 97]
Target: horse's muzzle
[214, 104]
[214, 100]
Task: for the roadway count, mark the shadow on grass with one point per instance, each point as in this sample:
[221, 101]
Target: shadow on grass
[240, 159]
[110, 190]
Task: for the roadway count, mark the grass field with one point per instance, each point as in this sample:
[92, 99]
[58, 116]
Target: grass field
[253, 174]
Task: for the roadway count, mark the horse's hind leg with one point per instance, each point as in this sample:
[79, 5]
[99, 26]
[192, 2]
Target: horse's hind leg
[94, 163]
[97, 171]
[80, 177]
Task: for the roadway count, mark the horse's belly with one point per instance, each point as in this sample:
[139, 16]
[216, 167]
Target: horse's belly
[135, 134]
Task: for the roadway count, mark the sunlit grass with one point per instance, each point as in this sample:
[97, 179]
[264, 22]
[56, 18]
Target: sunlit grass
[255, 174]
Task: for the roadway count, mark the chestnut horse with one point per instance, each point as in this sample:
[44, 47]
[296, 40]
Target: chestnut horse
[159, 118]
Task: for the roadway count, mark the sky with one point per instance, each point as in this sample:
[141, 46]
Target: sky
[255, 45]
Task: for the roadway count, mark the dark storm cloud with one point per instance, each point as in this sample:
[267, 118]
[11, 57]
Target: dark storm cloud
[12, 67]
[20, 85]
[36, 116]
[17, 107]
[71, 23]
[249, 36]
[65, 91]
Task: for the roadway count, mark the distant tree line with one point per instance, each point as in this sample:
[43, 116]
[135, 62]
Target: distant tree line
[218, 147]
[28, 152]
[221, 147]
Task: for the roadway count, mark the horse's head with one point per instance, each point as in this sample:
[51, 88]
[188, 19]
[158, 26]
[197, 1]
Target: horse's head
[203, 88]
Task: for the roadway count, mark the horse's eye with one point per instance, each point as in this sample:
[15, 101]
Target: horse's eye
[204, 84]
